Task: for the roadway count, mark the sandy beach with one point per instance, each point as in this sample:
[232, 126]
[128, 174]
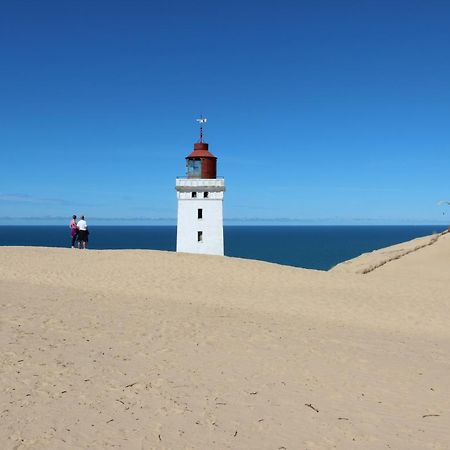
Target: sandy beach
[159, 350]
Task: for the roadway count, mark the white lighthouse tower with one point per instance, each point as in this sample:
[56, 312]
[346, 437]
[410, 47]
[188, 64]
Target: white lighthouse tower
[200, 202]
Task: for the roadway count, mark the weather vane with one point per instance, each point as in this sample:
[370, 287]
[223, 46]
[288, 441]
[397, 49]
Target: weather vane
[201, 121]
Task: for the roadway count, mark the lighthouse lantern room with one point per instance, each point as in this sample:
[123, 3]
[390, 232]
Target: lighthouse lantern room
[200, 202]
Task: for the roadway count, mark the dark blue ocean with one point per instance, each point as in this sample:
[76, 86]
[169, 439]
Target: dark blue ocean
[313, 247]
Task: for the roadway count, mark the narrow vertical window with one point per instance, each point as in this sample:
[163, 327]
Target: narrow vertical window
[199, 236]
[205, 194]
[194, 194]
[199, 213]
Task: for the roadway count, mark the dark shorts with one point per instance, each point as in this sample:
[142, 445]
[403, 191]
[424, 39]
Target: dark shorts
[82, 235]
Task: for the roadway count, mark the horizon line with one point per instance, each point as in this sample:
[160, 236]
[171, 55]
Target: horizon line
[61, 220]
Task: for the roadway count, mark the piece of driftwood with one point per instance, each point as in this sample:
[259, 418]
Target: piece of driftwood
[312, 407]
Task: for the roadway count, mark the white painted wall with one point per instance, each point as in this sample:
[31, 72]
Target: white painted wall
[211, 224]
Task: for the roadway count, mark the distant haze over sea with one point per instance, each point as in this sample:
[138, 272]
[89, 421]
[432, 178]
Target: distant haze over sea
[443, 219]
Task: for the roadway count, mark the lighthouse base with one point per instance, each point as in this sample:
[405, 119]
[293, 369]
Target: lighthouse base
[200, 216]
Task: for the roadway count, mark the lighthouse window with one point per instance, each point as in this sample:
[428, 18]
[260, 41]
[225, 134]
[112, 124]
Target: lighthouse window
[199, 236]
[194, 194]
[199, 213]
[194, 168]
[205, 194]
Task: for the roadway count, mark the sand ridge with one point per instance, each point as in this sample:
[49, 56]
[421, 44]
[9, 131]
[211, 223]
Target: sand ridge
[158, 350]
[369, 262]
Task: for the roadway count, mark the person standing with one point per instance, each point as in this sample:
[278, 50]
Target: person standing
[82, 233]
[73, 229]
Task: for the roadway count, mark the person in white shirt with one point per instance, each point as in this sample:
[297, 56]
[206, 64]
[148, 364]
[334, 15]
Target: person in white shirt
[83, 233]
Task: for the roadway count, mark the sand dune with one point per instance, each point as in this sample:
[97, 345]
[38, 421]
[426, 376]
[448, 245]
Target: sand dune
[157, 350]
[368, 262]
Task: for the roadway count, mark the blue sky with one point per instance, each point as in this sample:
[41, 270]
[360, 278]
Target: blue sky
[327, 112]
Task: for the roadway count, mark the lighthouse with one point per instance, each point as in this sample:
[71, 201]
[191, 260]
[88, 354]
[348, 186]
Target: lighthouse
[200, 202]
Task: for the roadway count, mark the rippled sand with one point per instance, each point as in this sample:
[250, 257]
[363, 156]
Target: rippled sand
[158, 350]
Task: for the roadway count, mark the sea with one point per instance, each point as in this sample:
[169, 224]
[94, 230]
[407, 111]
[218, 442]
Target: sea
[311, 247]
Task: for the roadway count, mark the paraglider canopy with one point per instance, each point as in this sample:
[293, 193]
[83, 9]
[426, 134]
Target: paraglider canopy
[442, 203]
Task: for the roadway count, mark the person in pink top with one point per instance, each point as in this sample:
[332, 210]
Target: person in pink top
[73, 229]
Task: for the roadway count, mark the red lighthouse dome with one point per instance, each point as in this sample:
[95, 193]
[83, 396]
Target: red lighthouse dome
[200, 163]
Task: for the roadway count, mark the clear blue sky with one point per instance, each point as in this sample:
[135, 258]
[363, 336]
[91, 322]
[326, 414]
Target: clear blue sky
[319, 112]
